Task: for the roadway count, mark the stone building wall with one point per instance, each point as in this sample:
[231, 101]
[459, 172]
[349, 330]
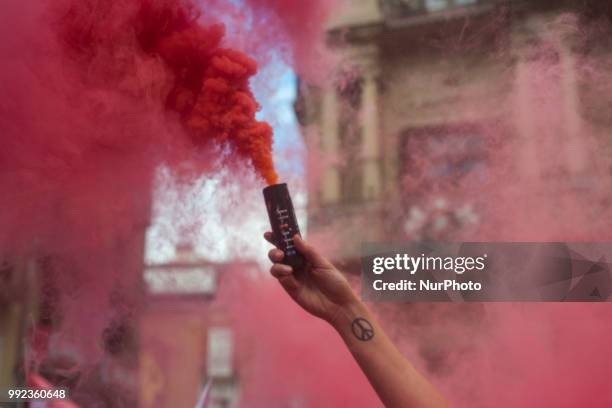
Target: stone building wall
[417, 70]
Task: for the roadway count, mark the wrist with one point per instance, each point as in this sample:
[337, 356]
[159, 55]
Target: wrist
[347, 313]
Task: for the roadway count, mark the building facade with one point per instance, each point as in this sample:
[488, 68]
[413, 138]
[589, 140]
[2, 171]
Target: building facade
[432, 80]
[187, 348]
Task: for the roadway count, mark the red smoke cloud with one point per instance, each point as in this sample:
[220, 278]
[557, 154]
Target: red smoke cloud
[210, 84]
[96, 95]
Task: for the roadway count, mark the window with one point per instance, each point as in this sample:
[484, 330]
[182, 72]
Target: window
[181, 280]
[441, 160]
[438, 5]
[403, 8]
[220, 350]
[440, 166]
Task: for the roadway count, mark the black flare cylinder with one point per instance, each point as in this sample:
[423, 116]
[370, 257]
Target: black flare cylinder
[283, 222]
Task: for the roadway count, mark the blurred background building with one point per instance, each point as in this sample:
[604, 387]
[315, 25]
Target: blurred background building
[427, 78]
[187, 340]
[179, 342]
[32, 297]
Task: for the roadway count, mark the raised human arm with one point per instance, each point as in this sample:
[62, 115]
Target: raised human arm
[324, 292]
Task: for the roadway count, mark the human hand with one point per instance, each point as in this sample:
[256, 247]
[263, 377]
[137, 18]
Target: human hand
[319, 288]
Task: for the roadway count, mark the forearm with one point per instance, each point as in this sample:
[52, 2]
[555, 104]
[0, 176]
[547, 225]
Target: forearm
[395, 379]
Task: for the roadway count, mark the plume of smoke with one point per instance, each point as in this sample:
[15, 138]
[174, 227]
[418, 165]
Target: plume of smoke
[97, 95]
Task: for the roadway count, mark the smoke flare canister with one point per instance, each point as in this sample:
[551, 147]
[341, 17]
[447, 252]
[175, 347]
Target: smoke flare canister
[283, 222]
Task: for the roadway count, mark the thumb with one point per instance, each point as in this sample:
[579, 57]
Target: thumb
[310, 253]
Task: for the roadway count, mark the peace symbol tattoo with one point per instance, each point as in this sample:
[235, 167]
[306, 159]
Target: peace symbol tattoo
[362, 329]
